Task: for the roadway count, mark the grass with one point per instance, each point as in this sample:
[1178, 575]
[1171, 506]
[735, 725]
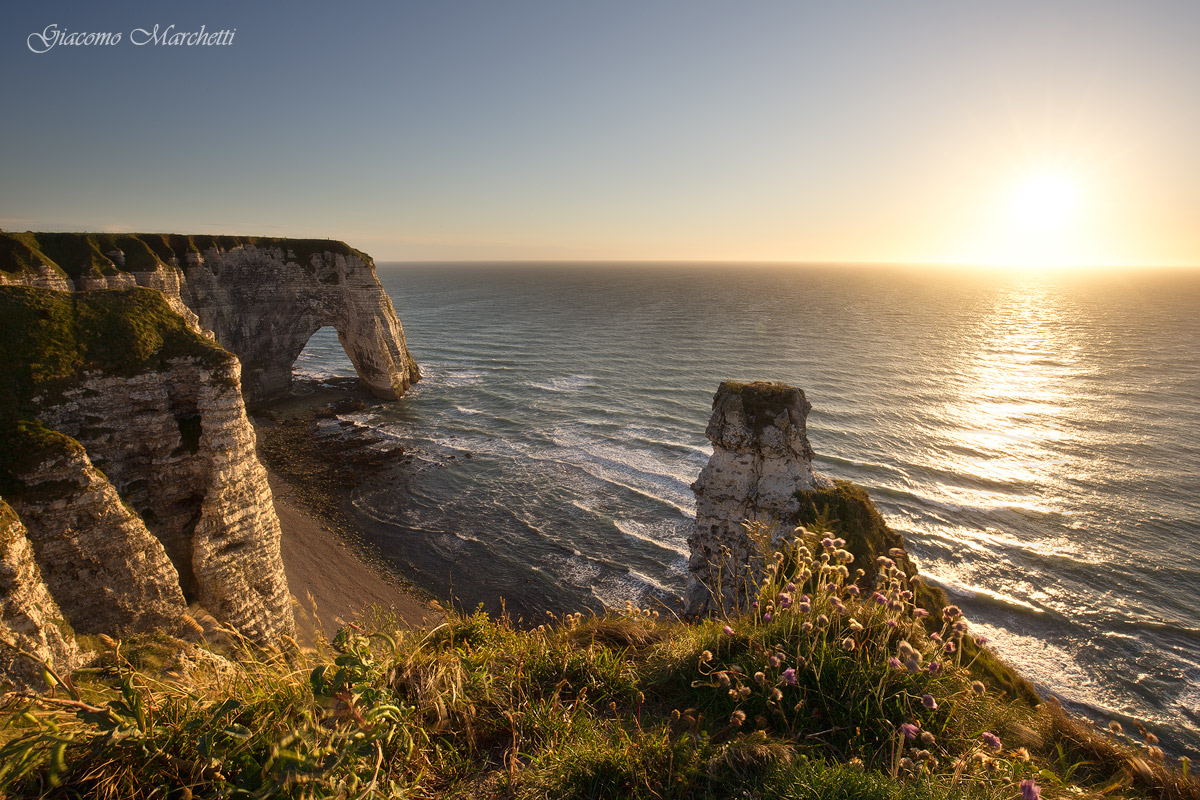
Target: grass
[818, 692]
[76, 255]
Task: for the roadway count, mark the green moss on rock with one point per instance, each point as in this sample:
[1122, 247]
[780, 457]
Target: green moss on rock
[77, 255]
[49, 339]
[762, 401]
[849, 510]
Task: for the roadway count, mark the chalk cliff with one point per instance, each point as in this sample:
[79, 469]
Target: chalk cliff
[126, 452]
[761, 458]
[30, 620]
[261, 298]
[761, 471]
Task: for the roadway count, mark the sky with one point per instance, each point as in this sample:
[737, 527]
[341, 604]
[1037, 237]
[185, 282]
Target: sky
[1059, 133]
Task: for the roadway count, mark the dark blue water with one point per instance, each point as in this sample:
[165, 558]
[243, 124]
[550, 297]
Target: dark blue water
[1036, 438]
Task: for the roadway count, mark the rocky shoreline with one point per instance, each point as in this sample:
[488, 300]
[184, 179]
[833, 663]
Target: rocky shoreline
[314, 468]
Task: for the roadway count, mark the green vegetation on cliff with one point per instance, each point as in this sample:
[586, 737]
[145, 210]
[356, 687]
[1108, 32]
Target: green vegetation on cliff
[80, 254]
[48, 339]
[817, 693]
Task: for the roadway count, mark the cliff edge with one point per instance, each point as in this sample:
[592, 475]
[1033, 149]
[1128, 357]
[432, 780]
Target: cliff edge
[127, 458]
[261, 298]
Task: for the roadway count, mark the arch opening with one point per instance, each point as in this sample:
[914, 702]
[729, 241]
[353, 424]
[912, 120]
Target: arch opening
[323, 358]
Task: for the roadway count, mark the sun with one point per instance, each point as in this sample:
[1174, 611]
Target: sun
[1045, 201]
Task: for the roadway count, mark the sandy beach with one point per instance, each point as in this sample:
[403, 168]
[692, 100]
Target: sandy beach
[326, 574]
[330, 576]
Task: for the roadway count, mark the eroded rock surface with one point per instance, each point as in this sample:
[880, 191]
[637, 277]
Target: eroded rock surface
[126, 451]
[761, 458]
[261, 298]
[30, 620]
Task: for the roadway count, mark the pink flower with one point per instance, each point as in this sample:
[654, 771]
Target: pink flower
[992, 741]
[728, 630]
[789, 676]
[894, 663]
[767, 617]
[1030, 790]
[880, 598]
[929, 702]
[791, 587]
[911, 732]
[920, 612]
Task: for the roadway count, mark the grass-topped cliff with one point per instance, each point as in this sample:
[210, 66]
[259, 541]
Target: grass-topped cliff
[49, 339]
[80, 254]
[821, 691]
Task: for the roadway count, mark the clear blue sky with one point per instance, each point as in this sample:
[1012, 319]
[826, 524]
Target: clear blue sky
[620, 129]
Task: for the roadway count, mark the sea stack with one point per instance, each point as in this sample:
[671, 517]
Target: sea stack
[761, 459]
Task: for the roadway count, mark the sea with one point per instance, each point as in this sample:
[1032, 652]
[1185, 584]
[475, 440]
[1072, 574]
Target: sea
[1034, 436]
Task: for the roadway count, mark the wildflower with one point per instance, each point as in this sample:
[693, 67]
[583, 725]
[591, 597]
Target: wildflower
[822, 620]
[981, 640]
[789, 676]
[723, 680]
[978, 688]
[950, 612]
[906, 764]
[937, 637]
[894, 663]
[776, 695]
[767, 617]
[906, 595]
[928, 701]
[760, 678]
[807, 627]
[884, 561]
[803, 607]
[992, 741]
[1115, 728]
[773, 660]
[853, 590]
[891, 623]
[848, 644]
[880, 598]
[906, 649]
[920, 613]
[839, 542]
[1030, 790]
[827, 543]
[706, 656]
[951, 647]
[728, 630]
[934, 668]
[744, 692]
[1022, 754]
[896, 552]
[911, 732]
[737, 718]
[785, 599]
[855, 625]
[927, 739]
[791, 587]
[960, 626]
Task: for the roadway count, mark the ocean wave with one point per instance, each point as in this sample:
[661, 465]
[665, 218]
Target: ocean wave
[646, 533]
[979, 593]
[569, 383]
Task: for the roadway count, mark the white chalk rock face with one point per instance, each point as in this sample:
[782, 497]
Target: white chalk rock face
[761, 458]
[30, 620]
[260, 298]
[178, 446]
[105, 571]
